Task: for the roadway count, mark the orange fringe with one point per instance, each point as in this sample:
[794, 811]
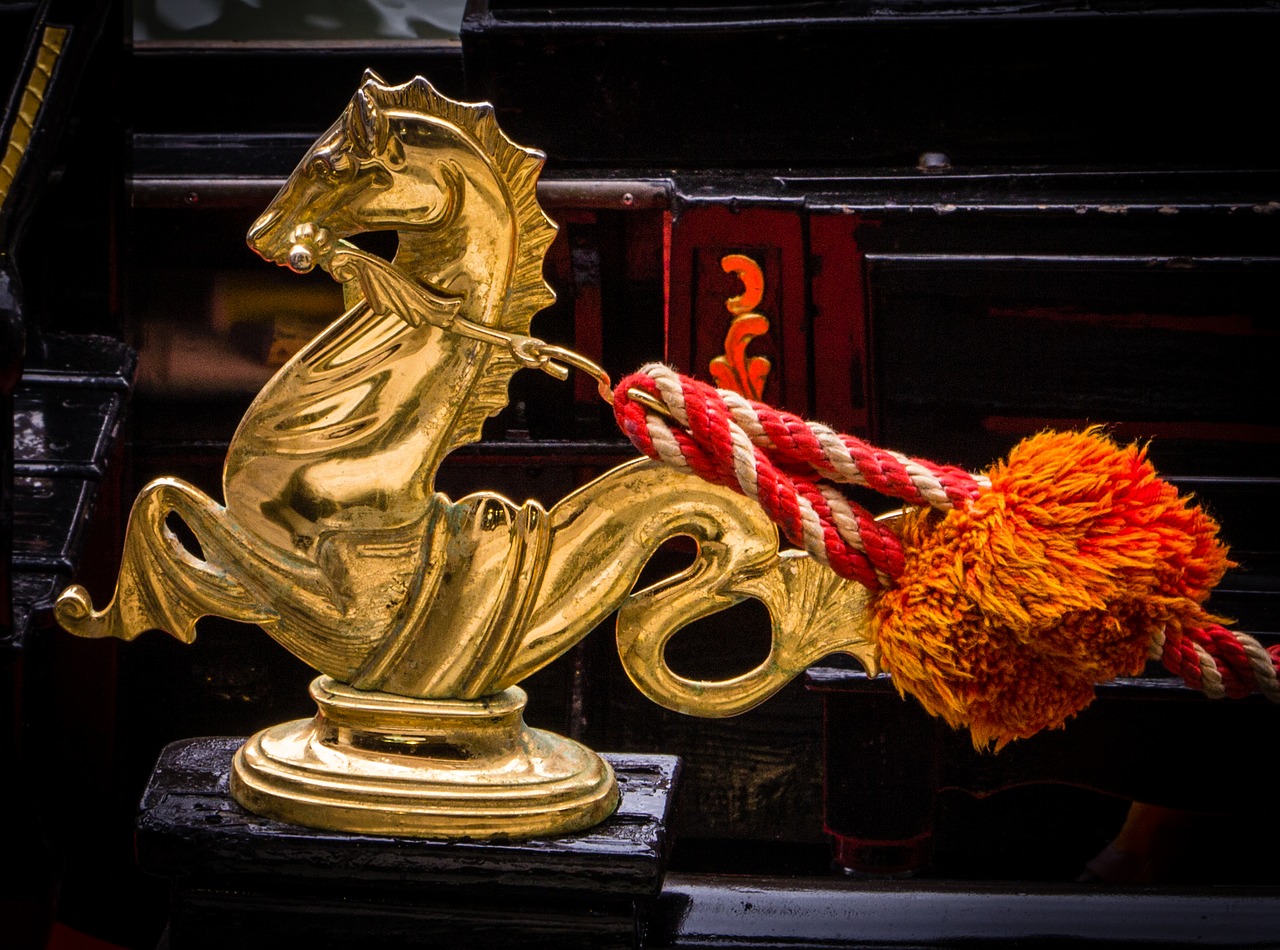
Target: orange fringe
[1059, 577]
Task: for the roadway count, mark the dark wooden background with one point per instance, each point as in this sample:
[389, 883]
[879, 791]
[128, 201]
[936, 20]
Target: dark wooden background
[1098, 244]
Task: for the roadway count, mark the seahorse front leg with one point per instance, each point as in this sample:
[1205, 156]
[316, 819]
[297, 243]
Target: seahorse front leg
[162, 585]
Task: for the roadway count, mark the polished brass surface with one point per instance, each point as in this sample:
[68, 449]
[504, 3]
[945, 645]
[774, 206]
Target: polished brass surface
[443, 768]
[333, 539]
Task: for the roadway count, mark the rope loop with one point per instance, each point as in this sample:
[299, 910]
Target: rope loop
[790, 466]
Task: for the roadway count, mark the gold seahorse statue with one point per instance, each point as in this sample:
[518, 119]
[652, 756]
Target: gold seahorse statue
[423, 613]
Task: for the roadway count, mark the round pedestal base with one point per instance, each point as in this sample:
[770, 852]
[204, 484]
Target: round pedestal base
[376, 763]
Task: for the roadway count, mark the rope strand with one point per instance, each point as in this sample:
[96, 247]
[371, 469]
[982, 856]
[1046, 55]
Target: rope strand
[1221, 662]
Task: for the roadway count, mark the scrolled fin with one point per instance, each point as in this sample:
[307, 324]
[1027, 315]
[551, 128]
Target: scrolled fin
[162, 585]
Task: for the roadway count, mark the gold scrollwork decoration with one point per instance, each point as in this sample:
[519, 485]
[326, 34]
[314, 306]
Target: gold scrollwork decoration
[28, 111]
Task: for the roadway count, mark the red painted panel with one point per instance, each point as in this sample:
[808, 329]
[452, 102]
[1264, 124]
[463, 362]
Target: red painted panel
[841, 373]
[698, 320]
[578, 235]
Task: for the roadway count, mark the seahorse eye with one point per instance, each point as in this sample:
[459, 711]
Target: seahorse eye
[333, 167]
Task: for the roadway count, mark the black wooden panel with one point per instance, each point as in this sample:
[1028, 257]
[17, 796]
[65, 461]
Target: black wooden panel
[71, 431]
[858, 85]
[271, 88]
[750, 912]
[259, 882]
[888, 764]
[973, 353]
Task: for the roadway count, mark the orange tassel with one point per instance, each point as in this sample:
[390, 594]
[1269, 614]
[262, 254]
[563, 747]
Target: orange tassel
[1011, 608]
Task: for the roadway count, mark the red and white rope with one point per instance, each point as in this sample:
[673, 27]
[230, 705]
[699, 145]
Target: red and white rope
[1220, 662]
[811, 446]
[791, 467]
[753, 448]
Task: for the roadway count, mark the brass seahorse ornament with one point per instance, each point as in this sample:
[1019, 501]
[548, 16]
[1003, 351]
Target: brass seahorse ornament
[422, 613]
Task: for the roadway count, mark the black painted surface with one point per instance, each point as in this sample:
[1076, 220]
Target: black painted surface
[257, 92]
[217, 919]
[887, 765]
[67, 435]
[12, 347]
[67, 419]
[62, 401]
[259, 880]
[867, 84]
[747, 912]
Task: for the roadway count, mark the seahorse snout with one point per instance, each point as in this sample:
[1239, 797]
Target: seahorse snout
[259, 233]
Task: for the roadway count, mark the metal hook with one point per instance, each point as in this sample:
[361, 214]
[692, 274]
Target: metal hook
[603, 385]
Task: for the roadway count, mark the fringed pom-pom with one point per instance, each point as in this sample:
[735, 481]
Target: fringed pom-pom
[1010, 609]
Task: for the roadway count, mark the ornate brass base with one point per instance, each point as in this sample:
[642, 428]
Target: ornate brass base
[377, 763]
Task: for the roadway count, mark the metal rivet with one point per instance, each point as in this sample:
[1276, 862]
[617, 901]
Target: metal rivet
[933, 162]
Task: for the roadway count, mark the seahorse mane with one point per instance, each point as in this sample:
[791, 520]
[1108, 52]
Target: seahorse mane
[517, 169]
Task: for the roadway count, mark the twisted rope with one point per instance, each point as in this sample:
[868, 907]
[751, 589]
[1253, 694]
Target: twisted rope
[1220, 662]
[792, 468]
[779, 461]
